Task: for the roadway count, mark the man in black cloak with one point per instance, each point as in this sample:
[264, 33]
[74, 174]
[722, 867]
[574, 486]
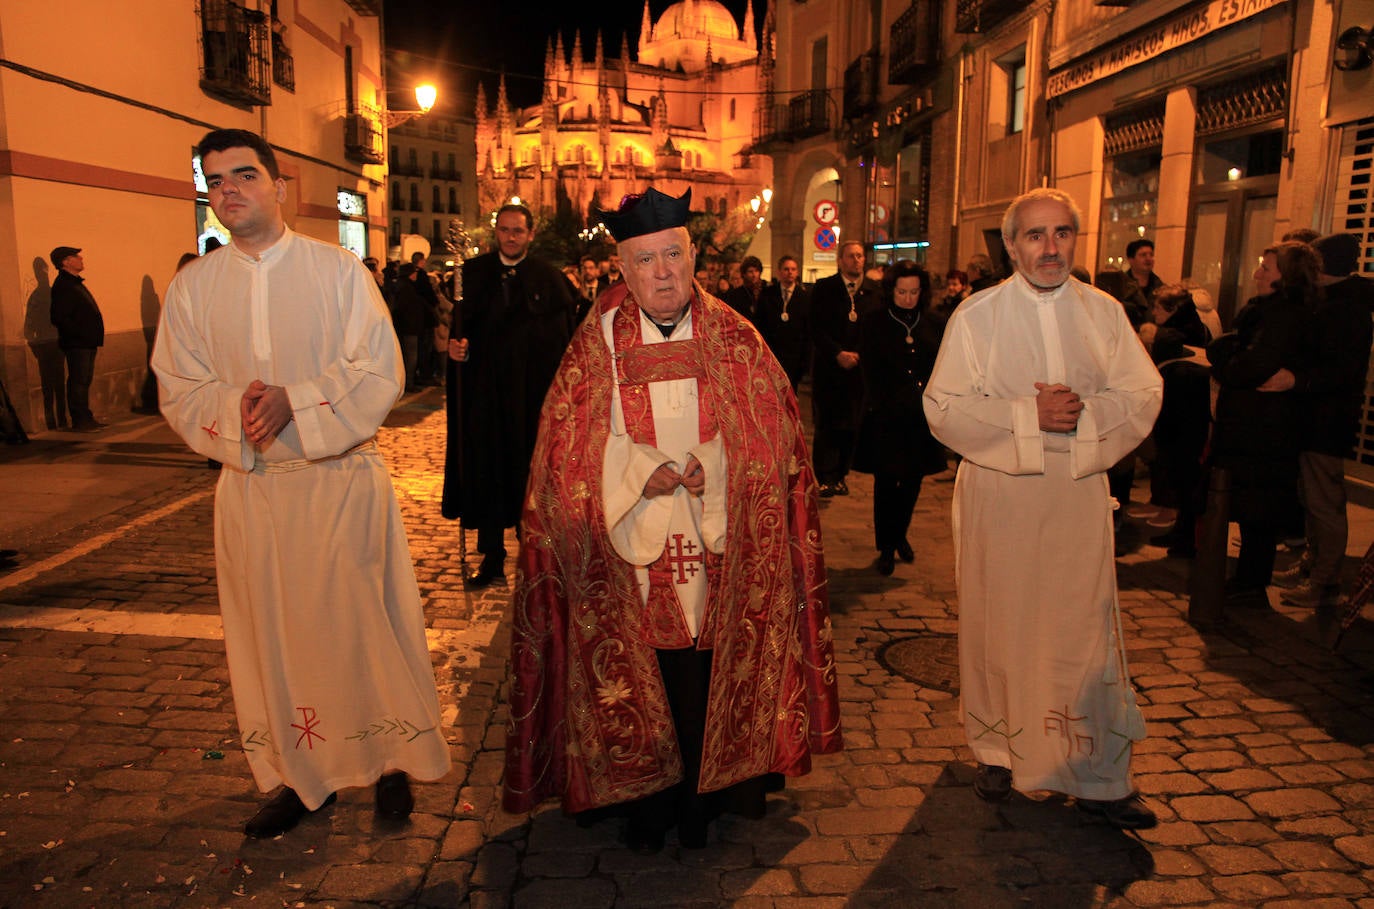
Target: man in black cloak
[509, 334]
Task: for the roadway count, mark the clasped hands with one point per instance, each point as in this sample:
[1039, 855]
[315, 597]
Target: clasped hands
[1058, 407]
[665, 480]
[265, 411]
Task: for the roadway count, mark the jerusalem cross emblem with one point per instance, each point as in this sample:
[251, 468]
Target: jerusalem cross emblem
[684, 559]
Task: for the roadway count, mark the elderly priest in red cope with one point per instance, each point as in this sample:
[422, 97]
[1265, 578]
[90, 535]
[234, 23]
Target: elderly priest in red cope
[672, 651]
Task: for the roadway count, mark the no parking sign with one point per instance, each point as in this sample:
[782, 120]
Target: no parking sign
[825, 238]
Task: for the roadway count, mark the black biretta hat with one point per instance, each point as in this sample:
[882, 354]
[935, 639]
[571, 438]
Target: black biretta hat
[646, 213]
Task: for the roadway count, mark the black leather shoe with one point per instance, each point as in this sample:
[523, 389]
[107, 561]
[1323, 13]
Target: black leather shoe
[1247, 598]
[393, 796]
[827, 490]
[692, 834]
[490, 570]
[1130, 813]
[842, 488]
[283, 812]
[1169, 537]
[904, 552]
[884, 564]
[643, 842]
[993, 783]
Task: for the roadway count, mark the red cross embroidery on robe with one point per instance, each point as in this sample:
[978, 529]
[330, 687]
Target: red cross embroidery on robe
[214, 433]
[684, 559]
[307, 727]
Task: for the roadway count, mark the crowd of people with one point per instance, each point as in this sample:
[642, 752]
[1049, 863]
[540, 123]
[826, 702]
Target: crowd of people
[672, 658]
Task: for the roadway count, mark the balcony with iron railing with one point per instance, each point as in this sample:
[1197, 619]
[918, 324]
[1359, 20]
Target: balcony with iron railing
[977, 16]
[861, 85]
[283, 64]
[406, 169]
[914, 43]
[364, 137]
[802, 116]
[235, 42]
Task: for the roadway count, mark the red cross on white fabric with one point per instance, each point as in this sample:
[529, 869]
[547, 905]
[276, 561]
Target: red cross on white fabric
[682, 560]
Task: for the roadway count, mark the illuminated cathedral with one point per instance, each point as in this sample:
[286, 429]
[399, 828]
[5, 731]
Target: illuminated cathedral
[681, 114]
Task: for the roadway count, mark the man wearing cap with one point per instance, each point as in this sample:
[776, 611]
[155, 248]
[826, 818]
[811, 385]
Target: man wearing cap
[671, 633]
[276, 357]
[1042, 385]
[80, 332]
[1332, 395]
[510, 330]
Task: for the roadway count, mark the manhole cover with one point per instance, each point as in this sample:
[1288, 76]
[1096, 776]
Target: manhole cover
[929, 660]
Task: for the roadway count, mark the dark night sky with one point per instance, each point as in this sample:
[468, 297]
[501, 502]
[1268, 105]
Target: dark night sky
[482, 38]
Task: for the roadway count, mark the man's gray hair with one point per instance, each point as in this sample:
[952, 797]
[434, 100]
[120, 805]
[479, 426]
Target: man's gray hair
[1043, 194]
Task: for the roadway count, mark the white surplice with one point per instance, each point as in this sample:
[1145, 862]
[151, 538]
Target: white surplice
[323, 624]
[640, 528]
[1040, 666]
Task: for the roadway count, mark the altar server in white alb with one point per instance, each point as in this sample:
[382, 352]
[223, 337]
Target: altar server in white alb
[1042, 385]
[276, 357]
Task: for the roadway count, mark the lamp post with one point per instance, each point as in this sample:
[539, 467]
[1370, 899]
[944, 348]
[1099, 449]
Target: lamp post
[425, 96]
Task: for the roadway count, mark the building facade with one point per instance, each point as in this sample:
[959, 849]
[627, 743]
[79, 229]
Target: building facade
[859, 118]
[1211, 127]
[431, 179]
[1208, 126]
[676, 115]
[96, 152]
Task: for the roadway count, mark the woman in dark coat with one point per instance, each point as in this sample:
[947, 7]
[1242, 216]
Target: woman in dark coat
[897, 348]
[1256, 430]
[1172, 307]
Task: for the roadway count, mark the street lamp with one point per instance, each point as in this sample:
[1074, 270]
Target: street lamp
[425, 96]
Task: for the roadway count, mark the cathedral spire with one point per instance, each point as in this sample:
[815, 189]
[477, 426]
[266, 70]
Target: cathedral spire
[560, 56]
[599, 57]
[646, 31]
[503, 112]
[481, 107]
[750, 38]
[577, 53]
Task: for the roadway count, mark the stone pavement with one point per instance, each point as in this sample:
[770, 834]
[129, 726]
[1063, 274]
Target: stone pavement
[122, 782]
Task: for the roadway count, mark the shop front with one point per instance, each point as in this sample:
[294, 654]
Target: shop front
[1180, 132]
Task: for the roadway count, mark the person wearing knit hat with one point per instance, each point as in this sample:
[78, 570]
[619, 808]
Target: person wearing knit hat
[1332, 389]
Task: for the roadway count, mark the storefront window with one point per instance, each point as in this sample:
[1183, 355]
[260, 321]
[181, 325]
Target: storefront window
[353, 222]
[1239, 157]
[884, 197]
[897, 209]
[1129, 204]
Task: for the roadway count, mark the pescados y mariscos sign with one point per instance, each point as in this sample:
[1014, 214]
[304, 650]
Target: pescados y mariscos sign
[1158, 39]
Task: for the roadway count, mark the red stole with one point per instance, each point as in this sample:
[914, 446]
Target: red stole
[662, 624]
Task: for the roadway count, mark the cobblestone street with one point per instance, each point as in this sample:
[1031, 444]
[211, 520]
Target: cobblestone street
[122, 782]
